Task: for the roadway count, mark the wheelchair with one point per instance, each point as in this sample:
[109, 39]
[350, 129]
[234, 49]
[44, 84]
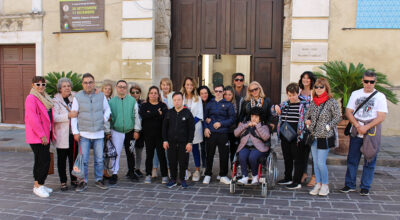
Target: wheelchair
[267, 172]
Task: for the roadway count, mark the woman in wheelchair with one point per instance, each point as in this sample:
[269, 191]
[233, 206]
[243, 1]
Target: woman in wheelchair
[253, 136]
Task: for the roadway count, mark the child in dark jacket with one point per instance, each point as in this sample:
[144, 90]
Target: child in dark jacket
[178, 133]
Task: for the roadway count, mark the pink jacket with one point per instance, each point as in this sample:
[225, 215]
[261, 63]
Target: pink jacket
[37, 120]
[261, 131]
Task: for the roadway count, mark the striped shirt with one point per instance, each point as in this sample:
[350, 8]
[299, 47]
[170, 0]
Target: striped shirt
[291, 114]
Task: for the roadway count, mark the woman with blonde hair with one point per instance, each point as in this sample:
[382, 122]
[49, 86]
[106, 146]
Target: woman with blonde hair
[192, 101]
[256, 98]
[107, 89]
[166, 92]
[322, 119]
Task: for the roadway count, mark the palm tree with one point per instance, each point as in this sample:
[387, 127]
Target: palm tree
[344, 80]
[53, 77]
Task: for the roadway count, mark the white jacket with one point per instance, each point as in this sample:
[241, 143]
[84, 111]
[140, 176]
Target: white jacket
[197, 111]
[61, 129]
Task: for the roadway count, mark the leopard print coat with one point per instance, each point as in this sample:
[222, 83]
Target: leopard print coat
[330, 115]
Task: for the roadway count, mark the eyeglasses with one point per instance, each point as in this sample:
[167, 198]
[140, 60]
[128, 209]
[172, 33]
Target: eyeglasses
[369, 81]
[88, 83]
[121, 87]
[237, 80]
[135, 92]
[40, 84]
[218, 91]
[253, 90]
[319, 87]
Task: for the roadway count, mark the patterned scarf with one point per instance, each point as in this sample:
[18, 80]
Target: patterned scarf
[45, 99]
[258, 103]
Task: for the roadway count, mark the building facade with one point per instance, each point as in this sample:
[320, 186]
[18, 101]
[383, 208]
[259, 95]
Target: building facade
[146, 40]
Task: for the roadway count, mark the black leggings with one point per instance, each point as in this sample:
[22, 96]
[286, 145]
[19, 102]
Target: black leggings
[233, 145]
[62, 154]
[42, 162]
[292, 155]
[155, 143]
[219, 140]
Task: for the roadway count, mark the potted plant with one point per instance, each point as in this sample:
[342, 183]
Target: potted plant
[53, 77]
[344, 80]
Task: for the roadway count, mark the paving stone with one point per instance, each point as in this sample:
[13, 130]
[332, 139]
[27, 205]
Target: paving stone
[375, 217]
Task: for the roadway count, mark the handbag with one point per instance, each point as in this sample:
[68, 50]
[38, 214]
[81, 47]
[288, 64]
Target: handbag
[286, 130]
[51, 167]
[308, 138]
[110, 155]
[347, 130]
[78, 169]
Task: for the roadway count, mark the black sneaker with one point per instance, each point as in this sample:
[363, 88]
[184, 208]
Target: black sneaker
[134, 178]
[81, 187]
[138, 173]
[101, 185]
[364, 192]
[171, 184]
[184, 185]
[294, 186]
[74, 184]
[284, 182]
[347, 189]
[129, 174]
[113, 180]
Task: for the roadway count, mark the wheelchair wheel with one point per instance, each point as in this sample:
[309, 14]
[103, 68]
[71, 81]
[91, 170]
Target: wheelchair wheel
[232, 187]
[272, 169]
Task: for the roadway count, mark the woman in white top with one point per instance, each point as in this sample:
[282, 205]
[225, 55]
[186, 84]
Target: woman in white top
[192, 101]
[166, 95]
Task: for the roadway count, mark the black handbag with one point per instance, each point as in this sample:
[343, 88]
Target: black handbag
[308, 138]
[287, 131]
[347, 130]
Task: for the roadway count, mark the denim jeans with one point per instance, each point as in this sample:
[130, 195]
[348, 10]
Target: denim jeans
[196, 155]
[353, 159]
[319, 160]
[98, 145]
[247, 156]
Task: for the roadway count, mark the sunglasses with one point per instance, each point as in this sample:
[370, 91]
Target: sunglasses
[319, 87]
[40, 84]
[369, 81]
[237, 80]
[218, 91]
[253, 90]
[135, 92]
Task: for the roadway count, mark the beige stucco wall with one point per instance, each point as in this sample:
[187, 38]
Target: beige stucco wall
[17, 6]
[377, 49]
[98, 53]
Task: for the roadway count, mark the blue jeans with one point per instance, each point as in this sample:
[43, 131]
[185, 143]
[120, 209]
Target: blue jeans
[196, 155]
[249, 156]
[353, 159]
[98, 146]
[319, 160]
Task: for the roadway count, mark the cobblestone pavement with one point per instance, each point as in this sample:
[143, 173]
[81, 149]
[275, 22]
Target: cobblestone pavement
[130, 200]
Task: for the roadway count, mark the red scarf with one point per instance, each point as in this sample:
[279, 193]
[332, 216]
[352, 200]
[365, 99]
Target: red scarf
[321, 99]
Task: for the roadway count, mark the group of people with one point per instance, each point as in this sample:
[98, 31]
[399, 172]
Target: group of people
[237, 119]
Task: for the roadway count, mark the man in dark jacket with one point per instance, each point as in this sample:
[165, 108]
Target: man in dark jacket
[220, 115]
[178, 133]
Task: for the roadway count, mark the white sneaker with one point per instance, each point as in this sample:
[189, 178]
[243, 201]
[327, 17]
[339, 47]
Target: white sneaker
[225, 180]
[254, 181]
[47, 189]
[196, 176]
[207, 180]
[187, 175]
[324, 191]
[244, 180]
[316, 189]
[41, 192]
[218, 177]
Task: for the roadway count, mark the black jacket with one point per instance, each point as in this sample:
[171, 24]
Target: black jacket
[178, 127]
[151, 119]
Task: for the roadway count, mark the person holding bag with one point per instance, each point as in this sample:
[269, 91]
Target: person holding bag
[321, 119]
[38, 124]
[370, 111]
[291, 125]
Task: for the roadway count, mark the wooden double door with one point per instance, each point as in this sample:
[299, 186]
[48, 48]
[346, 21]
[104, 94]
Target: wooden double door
[235, 27]
[17, 68]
